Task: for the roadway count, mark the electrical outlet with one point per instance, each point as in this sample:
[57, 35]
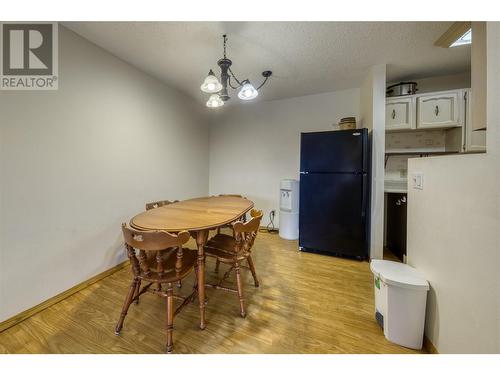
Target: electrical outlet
[273, 213]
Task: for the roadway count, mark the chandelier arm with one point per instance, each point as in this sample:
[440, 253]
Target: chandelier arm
[236, 79]
[229, 82]
[262, 84]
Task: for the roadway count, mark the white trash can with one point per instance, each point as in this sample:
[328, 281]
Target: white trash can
[400, 299]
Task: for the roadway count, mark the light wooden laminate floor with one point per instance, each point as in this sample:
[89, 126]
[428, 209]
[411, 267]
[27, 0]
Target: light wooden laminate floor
[307, 303]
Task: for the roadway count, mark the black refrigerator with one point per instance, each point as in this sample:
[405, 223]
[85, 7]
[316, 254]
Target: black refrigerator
[335, 193]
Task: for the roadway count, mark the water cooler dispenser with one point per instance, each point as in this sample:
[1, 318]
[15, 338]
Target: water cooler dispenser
[289, 209]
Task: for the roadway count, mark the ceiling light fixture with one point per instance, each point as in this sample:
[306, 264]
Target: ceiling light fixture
[247, 92]
[214, 101]
[212, 85]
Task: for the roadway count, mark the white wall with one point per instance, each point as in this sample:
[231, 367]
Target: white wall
[372, 116]
[454, 234]
[77, 162]
[441, 83]
[253, 146]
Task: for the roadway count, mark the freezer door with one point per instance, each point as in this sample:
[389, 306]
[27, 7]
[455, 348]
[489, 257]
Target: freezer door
[334, 151]
[333, 213]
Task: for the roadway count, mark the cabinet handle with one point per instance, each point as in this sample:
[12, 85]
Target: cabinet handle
[393, 114]
[436, 110]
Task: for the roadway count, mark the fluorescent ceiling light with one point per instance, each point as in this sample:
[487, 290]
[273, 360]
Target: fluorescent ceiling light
[464, 39]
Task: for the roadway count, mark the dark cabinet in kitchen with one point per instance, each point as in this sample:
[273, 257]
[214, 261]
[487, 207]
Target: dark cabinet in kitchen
[396, 224]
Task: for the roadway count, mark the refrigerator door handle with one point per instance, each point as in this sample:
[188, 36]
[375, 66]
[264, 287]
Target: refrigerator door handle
[363, 198]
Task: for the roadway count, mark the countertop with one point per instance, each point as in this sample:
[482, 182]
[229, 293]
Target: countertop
[396, 186]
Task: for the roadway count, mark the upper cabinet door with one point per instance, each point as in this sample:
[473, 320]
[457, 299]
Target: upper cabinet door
[475, 140]
[399, 114]
[439, 110]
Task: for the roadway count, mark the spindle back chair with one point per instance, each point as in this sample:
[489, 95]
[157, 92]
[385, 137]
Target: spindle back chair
[233, 251]
[152, 264]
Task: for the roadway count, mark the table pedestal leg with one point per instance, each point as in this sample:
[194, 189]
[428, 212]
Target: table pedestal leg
[201, 240]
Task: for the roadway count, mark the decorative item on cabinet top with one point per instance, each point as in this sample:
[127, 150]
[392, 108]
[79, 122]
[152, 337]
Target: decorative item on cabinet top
[347, 123]
[401, 88]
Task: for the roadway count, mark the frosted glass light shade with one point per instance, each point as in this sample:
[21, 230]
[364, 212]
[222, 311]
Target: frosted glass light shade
[215, 101]
[248, 92]
[211, 84]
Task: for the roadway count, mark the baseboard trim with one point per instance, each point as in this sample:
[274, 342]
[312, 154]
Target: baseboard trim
[53, 300]
[429, 346]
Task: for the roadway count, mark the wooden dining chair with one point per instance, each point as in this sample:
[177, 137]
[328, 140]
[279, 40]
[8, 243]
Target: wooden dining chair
[151, 205]
[234, 251]
[153, 266]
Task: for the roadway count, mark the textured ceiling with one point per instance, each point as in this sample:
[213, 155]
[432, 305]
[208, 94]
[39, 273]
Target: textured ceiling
[305, 57]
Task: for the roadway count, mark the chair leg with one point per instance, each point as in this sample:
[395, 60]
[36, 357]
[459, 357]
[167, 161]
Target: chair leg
[137, 290]
[252, 269]
[170, 317]
[217, 262]
[126, 305]
[239, 282]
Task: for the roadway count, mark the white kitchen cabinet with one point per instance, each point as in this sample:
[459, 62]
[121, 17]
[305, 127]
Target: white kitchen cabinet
[440, 110]
[474, 140]
[400, 113]
[449, 110]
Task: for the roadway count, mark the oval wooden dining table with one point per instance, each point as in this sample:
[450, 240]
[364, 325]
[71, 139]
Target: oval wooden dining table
[198, 216]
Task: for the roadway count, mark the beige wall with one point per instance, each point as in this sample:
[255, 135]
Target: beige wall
[441, 83]
[372, 116]
[77, 162]
[454, 234]
[478, 75]
[253, 146]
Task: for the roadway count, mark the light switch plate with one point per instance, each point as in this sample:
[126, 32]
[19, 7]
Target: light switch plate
[418, 180]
